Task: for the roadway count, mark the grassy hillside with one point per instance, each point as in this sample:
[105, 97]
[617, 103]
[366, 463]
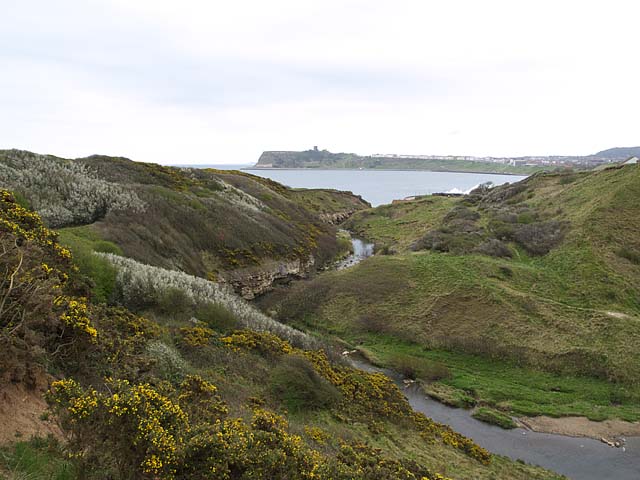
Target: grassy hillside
[523, 291]
[177, 378]
[202, 221]
[326, 159]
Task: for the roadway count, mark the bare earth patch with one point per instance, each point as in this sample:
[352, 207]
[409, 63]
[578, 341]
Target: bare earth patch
[20, 414]
[581, 427]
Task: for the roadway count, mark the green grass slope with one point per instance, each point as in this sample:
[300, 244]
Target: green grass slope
[540, 276]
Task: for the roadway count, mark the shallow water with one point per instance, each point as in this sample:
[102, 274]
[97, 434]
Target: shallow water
[383, 186]
[577, 458]
[361, 250]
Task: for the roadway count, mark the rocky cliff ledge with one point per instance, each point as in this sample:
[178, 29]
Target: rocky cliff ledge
[336, 218]
[254, 281]
[251, 282]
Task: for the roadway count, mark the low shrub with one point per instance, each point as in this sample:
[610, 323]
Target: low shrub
[568, 178]
[627, 253]
[502, 229]
[539, 238]
[456, 242]
[461, 213]
[37, 459]
[494, 248]
[173, 303]
[459, 233]
[419, 368]
[216, 316]
[296, 384]
[526, 217]
[168, 362]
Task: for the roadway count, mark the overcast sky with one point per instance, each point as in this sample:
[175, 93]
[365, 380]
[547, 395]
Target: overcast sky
[219, 82]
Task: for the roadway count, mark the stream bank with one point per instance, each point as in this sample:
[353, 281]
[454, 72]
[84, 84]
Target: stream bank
[576, 457]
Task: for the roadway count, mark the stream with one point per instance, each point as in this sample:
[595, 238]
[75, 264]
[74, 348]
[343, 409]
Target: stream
[361, 250]
[576, 457]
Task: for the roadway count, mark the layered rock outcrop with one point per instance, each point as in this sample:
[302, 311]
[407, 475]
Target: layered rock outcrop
[254, 281]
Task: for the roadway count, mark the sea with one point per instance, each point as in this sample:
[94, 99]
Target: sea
[378, 187]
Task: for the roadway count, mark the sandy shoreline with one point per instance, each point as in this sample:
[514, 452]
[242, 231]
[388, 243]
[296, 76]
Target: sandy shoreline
[581, 427]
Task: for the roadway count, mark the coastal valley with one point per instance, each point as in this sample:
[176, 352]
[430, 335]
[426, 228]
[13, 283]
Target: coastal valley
[163, 322]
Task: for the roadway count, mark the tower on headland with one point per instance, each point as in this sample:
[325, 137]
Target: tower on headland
[315, 148]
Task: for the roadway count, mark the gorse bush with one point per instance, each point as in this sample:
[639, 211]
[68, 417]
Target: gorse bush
[365, 396]
[141, 285]
[130, 431]
[127, 415]
[40, 311]
[64, 192]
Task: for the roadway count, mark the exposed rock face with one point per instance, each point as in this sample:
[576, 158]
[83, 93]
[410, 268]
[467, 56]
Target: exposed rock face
[337, 217]
[254, 281]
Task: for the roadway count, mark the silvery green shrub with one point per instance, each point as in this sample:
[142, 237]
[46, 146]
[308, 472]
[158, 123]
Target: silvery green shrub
[168, 359]
[63, 192]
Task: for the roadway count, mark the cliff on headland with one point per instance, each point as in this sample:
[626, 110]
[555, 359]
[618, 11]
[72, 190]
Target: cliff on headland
[323, 159]
[515, 165]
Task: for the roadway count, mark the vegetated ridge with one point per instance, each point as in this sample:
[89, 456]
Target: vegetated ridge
[222, 225]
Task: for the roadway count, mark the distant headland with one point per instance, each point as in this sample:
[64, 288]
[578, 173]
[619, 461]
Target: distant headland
[324, 159]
